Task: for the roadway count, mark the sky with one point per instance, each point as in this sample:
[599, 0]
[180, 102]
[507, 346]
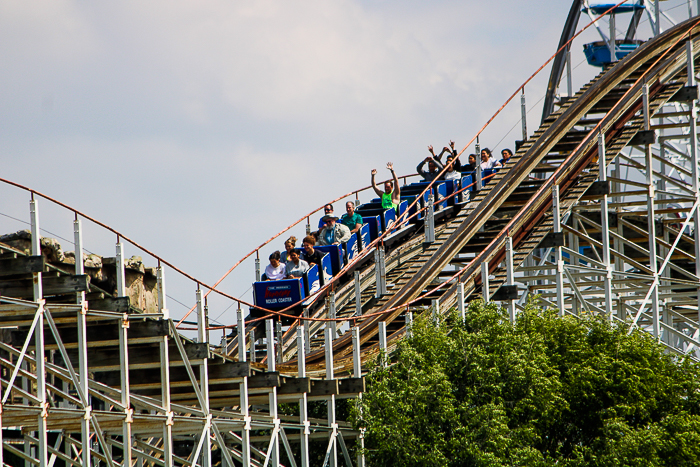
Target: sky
[201, 129]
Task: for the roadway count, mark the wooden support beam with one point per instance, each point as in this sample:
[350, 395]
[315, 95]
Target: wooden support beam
[21, 265]
[351, 386]
[294, 386]
[118, 305]
[324, 387]
[51, 285]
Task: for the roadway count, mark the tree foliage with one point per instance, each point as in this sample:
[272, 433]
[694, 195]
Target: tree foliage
[543, 391]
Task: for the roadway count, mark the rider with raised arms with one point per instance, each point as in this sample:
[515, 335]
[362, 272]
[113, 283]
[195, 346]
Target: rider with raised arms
[390, 197]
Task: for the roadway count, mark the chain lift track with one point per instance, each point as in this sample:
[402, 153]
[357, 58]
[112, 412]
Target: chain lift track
[596, 213]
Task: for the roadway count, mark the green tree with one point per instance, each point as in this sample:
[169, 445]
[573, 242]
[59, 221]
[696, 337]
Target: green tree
[543, 391]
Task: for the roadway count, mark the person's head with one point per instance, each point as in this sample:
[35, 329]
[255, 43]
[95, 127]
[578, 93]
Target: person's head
[350, 208]
[432, 166]
[388, 187]
[308, 244]
[328, 208]
[275, 259]
[472, 159]
[485, 154]
[506, 154]
[450, 163]
[290, 243]
[293, 255]
[330, 219]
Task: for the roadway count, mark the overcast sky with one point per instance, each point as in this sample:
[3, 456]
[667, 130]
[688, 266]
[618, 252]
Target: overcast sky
[200, 129]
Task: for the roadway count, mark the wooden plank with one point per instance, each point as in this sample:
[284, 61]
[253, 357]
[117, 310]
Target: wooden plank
[294, 386]
[118, 305]
[268, 379]
[352, 385]
[324, 387]
[21, 265]
[52, 285]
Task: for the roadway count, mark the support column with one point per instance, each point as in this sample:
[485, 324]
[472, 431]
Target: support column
[82, 347]
[41, 386]
[602, 176]
[460, 301]
[611, 39]
[694, 157]
[332, 314]
[380, 271]
[479, 181]
[275, 442]
[278, 333]
[39, 338]
[523, 114]
[429, 222]
[257, 267]
[357, 373]
[358, 295]
[485, 292]
[243, 388]
[203, 338]
[165, 398]
[657, 18]
[252, 351]
[303, 401]
[307, 334]
[651, 218]
[509, 276]
[332, 453]
[121, 279]
[435, 307]
[558, 250]
[124, 386]
[160, 284]
[569, 81]
[382, 344]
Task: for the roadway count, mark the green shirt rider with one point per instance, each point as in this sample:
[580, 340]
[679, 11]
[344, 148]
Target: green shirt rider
[390, 197]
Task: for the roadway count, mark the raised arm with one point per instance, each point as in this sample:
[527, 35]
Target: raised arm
[396, 194]
[374, 184]
[419, 167]
[444, 150]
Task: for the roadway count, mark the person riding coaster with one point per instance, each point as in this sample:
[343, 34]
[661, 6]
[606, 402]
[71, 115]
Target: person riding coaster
[391, 196]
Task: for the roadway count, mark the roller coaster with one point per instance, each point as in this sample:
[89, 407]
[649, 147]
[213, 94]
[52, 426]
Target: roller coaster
[598, 211]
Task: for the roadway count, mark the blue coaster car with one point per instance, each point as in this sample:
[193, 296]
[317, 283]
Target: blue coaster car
[352, 247]
[452, 187]
[439, 192]
[468, 183]
[364, 237]
[374, 224]
[334, 257]
[409, 201]
[312, 279]
[276, 295]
